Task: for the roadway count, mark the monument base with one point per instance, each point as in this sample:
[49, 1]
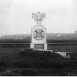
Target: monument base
[39, 46]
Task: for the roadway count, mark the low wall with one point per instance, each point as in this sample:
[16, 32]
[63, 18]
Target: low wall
[55, 46]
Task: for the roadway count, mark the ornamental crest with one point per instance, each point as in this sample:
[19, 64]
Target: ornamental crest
[39, 34]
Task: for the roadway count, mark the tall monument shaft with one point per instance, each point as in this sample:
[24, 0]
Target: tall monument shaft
[38, 39]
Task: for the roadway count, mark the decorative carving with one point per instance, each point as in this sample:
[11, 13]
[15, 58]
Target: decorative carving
[38, 34]
[38, 17]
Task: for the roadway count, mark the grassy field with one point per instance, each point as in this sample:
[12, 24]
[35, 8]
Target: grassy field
[14, 61]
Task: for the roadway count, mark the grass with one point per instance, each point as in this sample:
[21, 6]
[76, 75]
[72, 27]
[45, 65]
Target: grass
[35, 63]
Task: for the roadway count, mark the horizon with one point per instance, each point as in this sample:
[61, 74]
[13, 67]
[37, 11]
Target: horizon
[30, 34]
[16, 16]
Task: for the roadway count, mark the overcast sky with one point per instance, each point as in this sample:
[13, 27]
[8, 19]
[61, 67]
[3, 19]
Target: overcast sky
[16, 16]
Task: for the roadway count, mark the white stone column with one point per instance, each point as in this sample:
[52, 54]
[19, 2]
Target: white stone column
[38, 37]
[37, 41]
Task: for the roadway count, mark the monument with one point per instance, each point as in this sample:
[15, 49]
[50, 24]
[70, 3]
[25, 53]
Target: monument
[38, 39]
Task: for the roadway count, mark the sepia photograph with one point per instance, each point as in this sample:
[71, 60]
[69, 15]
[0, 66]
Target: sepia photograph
[38, 37]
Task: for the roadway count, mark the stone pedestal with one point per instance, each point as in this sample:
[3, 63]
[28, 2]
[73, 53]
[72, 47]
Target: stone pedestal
[38, 40]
